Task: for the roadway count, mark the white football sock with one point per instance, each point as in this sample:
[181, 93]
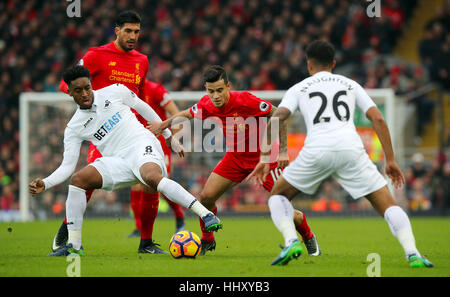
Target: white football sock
[400, 226]
[75, 207]
[176, 193]
[282, 214]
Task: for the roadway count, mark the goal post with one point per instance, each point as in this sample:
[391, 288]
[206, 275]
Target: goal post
[43, 117]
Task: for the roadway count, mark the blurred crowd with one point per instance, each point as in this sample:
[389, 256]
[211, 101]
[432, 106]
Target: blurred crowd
[260, 43]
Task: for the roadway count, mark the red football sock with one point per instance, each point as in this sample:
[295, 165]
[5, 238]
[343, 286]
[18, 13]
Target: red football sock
[177, 210]
[135, 202]
[89, 194]
[304, 229]
[88, 197]
[149, 212]
[208, 236]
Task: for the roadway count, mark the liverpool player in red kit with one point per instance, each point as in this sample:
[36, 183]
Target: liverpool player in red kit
[237, 163]
[119, 62]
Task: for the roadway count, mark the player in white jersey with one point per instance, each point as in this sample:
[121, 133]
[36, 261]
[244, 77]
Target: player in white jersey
[131, 153]
[333, 148]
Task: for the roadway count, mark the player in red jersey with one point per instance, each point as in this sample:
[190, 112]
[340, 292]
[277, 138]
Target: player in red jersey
[242, 155]
[119, 62]
[159, 99]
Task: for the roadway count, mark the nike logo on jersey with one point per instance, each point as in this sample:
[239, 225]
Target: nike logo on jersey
[108, 126]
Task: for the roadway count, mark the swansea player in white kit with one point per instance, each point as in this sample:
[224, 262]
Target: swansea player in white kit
[131, 153]
[333, 148]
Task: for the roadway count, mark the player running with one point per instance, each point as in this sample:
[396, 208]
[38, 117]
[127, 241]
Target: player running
[119, 62]
[333, 148]
[130, 153]
[235, 108]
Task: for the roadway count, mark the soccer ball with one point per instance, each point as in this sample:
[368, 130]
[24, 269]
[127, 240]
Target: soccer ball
[185, 244]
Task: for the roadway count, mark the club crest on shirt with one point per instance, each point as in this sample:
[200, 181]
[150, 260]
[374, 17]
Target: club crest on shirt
[263, 106]
[107, 103]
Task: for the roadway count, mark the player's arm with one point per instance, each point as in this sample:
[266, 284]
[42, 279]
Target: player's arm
[64, 171]
[175, 119]
[368, 107]
[382, 131]
[283, 158]
[130, 99]
[172, 109]
[279, 117]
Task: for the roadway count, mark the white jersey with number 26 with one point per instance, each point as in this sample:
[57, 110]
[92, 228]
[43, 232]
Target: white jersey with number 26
[327, 102]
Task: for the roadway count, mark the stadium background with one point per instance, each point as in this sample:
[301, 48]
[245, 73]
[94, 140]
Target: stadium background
[261, 44]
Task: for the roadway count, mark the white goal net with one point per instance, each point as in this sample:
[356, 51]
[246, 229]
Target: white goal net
[43, 117]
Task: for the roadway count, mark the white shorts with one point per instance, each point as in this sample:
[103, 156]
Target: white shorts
[123, 171]
[353, 169]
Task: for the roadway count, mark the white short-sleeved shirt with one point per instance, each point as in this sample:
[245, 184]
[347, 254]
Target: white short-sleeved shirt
[108, 124]
[327, 102]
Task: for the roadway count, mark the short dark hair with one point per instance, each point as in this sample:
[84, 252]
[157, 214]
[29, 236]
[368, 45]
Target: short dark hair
[320, 53]
[215, 73]
[75, 72]
[128, 16]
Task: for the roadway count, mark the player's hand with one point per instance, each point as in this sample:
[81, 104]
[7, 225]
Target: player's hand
[283, 160]
[260, 173]
[175, 146]
[395, 174]
[155, 128]
[36, 187]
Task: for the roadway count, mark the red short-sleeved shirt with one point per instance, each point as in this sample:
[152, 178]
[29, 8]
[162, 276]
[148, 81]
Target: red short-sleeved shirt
[243, 116]
[109, 65]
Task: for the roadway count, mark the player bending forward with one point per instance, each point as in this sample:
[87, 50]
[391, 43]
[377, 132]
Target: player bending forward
[232, 110]
[333, 147]
[131, 154]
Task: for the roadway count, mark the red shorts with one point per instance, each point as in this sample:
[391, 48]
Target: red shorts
[236, 169]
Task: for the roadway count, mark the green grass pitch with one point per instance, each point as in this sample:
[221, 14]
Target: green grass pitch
[245, 248]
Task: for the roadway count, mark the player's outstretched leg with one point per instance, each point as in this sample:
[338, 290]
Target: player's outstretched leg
[178, 194]
[399, 224]
[151, 173]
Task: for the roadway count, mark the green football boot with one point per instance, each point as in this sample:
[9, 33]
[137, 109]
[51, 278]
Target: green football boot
[293, 251]
[66, 251]
[417, 262]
